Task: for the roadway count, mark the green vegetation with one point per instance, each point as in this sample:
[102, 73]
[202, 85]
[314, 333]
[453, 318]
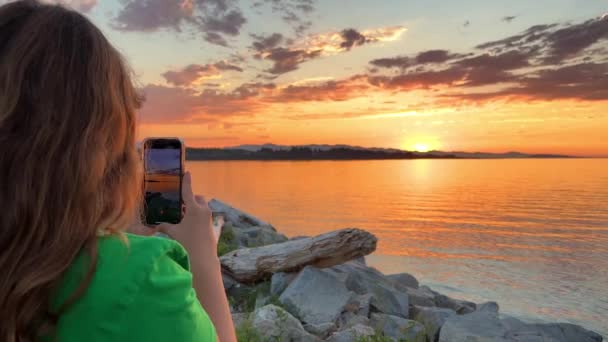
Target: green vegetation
[227, 242]
[420, 336]
[244, 298]
[379, 336]
[247, 333]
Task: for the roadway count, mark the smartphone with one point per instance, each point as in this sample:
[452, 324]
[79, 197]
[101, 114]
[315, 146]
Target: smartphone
[163, 166]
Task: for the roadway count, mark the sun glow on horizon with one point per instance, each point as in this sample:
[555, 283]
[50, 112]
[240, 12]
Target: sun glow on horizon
[421, 147]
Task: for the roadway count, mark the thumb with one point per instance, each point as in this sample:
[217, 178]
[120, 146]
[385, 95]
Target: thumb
[166, 228]
[187, 193]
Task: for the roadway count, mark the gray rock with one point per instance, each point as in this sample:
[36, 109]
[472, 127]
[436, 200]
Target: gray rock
[388, 300]
[239, 317]
[322, 330]
[360, 260]
[479, 326]
[257, 236]
[432, 318]
[351, 334]
[404, 279]
[236, 217]
[385, 297]
[364, 304]
[275, 324]
[552, 332]
[261, 300]
[482, 326]
[460, 306]
[280, 281]
[315, 296]
[349, 319]
[488, 306]
[398, 328]
[422, 296]
[228, 281]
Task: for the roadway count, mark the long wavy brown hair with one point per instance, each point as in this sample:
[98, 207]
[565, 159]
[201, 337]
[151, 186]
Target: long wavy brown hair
[69, 169]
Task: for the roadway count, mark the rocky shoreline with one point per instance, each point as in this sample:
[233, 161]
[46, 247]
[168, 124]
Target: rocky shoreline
[320, 289]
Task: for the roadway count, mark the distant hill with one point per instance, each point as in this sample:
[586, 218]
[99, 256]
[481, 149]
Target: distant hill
[339, 152]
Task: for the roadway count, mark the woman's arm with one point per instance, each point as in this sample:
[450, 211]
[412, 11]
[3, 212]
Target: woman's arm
[195, 233]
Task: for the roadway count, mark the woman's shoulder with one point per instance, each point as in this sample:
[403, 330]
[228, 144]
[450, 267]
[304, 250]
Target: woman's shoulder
[135, 276]
[129, 253]
[123, 264]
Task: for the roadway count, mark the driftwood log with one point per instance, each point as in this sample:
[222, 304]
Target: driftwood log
[326, 250]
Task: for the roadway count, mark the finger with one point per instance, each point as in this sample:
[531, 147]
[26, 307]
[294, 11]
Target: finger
[165, 228]
[140, 229]
[200, 200]
[187, 194]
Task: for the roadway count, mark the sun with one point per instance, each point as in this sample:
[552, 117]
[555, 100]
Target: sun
[421, 147]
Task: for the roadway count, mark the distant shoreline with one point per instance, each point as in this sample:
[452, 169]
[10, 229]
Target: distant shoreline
[346, 154]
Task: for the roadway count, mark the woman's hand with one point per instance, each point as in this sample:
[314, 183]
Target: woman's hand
[195, 231]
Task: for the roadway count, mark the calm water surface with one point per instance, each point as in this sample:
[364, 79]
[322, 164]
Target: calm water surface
[530, 234]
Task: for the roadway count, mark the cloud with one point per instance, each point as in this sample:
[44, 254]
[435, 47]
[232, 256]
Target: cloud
[352, 38]
[341, 90]
[419, 80]
[79, 5]
[228, 23]
[569, 41]
[584, 81]
[182, 105]
[266, 43]
[425, 57]
[508, 18]
[286, 60]
[213, 19]
[193, 73]
[295, 13]
[288, 57]
[554, 43]
[515, 64]
[152, 15]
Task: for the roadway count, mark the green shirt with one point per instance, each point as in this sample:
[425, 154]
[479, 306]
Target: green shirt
[141, 291]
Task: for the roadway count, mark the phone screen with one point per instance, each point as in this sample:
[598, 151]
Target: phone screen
[163, 170]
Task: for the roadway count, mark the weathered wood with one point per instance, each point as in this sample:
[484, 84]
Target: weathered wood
[326, 250]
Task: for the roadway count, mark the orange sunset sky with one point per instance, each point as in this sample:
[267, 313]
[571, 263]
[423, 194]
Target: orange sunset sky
[472, 75]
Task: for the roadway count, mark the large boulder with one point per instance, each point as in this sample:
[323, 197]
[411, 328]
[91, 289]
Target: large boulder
[559, 332]
[349, 319]
[488, 306]
[315, 297]
[280, 281]
[320, 330]
[460, 306]
[479, 326]
[398, 328]
[404, 279]
[352, 334]
[257, 236]
[485, 325]
[362, 280]
[234, 216]
[275, 324]
[422, 296]
[432, 318]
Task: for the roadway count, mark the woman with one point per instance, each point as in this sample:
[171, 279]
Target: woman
[70, 183]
